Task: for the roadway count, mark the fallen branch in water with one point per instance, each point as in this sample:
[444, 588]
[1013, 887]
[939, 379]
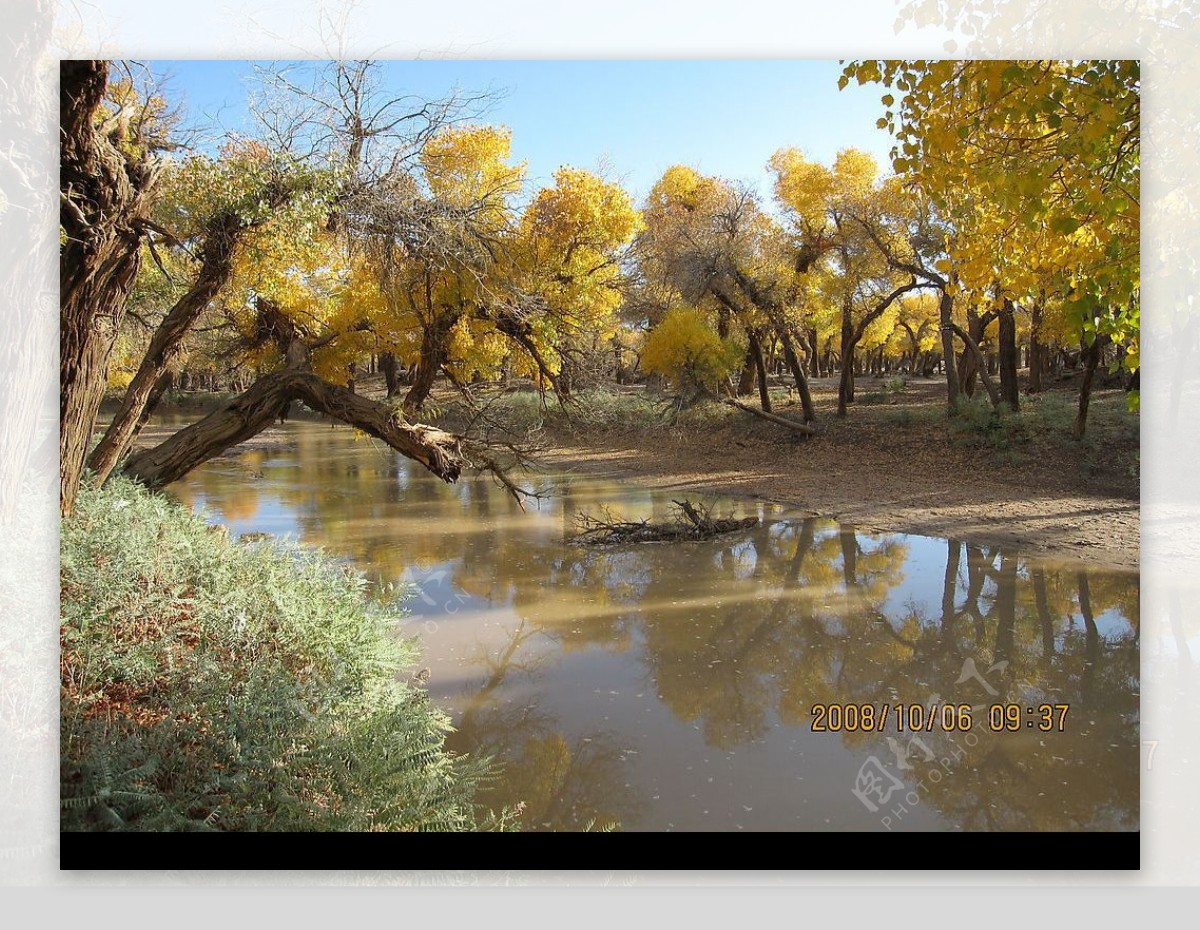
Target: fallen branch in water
[692, 521]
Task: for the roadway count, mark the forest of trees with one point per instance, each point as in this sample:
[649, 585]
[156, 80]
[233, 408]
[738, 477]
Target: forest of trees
[360, 230]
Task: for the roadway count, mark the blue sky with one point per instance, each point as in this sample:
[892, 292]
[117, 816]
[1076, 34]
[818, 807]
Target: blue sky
[640, 117]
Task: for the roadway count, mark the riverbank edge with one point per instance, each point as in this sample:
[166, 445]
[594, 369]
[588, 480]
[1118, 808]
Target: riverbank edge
[1067, 533]
[880, 494]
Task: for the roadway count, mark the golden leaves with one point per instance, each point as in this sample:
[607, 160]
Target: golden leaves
[1036, 164]
[468, 166]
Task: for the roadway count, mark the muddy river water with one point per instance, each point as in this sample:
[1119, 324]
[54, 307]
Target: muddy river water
[799, 675]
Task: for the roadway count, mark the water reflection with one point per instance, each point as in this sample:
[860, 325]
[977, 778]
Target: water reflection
[671, 686]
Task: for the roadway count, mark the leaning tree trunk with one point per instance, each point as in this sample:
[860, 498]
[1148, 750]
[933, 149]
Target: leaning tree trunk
[805, 429]
[972, 349]
[971, 363]
[166, 344]
[106, 193]
[256, 409]
[760, 368]
[1091, 358]
[1009, 390]
[789, 355]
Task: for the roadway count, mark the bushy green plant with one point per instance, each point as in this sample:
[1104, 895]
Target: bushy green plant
[208, 684]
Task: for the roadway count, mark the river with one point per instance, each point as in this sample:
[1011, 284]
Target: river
[673, 686]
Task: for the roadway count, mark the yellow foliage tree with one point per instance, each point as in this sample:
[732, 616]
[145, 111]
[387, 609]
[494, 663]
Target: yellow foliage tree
[685, 348]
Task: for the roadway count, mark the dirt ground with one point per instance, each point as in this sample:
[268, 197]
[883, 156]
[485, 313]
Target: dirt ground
[885, 470]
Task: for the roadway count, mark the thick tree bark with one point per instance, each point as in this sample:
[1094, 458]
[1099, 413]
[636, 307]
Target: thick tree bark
[1009, 390]
[797, 369]
[216, 268]
[746, 380]
[1037, 351]
[723, 316]
[161, 386]
[391, 375]
[106, 194]
[946, 323]
[760, 368]
[256, 409]
[433, 356]
[1091, 357]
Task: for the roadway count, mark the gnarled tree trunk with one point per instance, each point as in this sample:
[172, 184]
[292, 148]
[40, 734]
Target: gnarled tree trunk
[105, 196]
[256, 409]
[165, 345]
[797, 368]
[433, 356]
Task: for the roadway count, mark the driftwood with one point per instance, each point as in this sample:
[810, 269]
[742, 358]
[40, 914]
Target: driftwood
[693, 521]
[802, 428]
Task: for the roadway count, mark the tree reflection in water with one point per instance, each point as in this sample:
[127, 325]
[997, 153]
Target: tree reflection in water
[735, 638]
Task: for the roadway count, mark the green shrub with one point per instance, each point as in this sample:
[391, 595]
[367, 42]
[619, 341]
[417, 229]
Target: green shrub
[208, 684]
[976, 423]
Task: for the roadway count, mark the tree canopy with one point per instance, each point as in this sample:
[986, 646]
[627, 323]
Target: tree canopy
[356, 227]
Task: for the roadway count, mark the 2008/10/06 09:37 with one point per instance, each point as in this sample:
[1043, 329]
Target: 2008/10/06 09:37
[955, 718]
